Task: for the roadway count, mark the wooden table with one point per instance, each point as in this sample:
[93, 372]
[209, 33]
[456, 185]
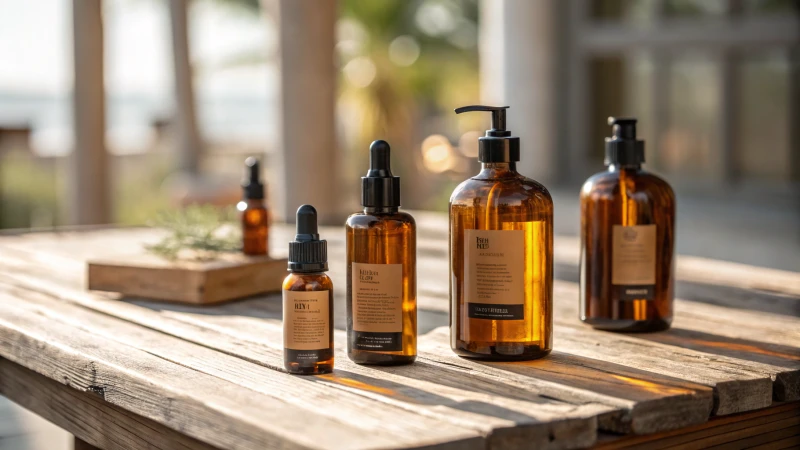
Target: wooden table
[132, 373]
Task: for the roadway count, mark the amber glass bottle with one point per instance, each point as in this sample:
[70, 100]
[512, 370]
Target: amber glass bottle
[501, 255]
[627, 240]
[381, 270]
[254, 214]
[308, 301]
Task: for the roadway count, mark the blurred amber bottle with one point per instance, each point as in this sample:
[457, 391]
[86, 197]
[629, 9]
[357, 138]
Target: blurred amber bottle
[254, 214]
[627, 240]
[308, 301]
[381, 270]
[501, 255]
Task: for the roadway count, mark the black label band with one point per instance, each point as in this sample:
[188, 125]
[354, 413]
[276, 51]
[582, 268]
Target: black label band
[307, 356]
[495, 312]
[385, 342]
[630, 292]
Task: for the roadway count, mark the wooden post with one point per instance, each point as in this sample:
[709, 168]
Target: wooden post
[189, 141]
[88, 190]
[519, 67]
[305, 170]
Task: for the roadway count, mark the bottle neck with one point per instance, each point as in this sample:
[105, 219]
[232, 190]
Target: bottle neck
[381, 209]
[498, 170]
[624, 168]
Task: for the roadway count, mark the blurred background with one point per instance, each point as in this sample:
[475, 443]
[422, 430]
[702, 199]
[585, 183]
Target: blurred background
[113, 110]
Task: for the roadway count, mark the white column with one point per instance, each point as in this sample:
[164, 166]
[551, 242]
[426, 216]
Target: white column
[88, 189]
[304, 170]
[189, 142]
[519, 67]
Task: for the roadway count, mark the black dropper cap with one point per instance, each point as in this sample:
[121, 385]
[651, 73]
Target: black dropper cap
[307, 252]
[380, 189]
[251, 185]
[622, 148]
[497, 146]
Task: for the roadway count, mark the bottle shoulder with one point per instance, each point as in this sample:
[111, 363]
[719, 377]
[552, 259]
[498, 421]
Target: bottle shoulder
[380, 220]
[517, 189]
[318, 281]
[607, 185]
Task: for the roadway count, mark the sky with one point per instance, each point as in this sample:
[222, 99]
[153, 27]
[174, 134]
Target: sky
[36, 62]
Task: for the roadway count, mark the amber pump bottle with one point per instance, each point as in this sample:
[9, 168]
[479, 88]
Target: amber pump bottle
[381, 270]
[308, 301]
[501, 255]
[627, 240]
[254, 214]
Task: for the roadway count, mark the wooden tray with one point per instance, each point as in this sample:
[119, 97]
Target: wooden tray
[198, 282]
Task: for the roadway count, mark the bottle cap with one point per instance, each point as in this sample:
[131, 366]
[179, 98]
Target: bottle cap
[380, 188]
[307, 253]
[497, 146]
[622, 148]
[251, 185]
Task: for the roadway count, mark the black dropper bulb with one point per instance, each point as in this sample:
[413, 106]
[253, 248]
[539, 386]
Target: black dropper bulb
[497, 146]
[307, 253]
[622, 148]
[380, 188]
[251, 185]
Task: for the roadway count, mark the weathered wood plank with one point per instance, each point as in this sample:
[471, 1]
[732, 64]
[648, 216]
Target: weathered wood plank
[204, 407]
[411, 400]
[244, 329]
[729, 431]
[86, 415]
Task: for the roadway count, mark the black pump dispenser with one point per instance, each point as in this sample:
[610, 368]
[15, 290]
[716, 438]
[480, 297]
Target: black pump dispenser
[622, 148]
[380, 189]
[251, 185]
[497, 146]
[307, 253]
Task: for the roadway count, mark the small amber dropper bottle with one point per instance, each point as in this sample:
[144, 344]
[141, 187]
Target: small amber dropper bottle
[308, 301]
[627, 240]
[254, 214]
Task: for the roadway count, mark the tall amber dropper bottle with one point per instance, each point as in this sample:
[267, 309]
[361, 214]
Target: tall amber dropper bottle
[627, 240]
[308, 301]
[381, 270]
[254, 214]
[501, 255]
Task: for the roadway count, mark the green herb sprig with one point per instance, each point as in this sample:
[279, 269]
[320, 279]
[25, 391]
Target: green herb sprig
[197, 232]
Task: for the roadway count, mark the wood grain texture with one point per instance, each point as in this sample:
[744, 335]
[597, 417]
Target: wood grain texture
[716, 357]
[198, 282]
[205, 407]
[411, 401]
[738, 431]
[86, 415]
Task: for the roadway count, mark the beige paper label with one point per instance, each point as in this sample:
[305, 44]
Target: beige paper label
[633, 255]
[494, 275]
[306, 320]
[377, 297]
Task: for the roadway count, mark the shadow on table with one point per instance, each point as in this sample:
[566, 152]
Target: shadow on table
[714, 294]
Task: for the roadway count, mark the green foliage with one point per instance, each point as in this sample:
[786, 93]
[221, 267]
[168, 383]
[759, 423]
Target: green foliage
[197, 232]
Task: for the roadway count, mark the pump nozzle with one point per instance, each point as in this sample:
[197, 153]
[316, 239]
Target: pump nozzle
[498, 118]
[622, 148]
[252, 186]
[497, 146]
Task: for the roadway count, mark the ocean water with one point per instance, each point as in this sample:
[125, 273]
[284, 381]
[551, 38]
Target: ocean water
[130, 120]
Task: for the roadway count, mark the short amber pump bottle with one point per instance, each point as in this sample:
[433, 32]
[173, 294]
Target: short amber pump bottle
[627, 240]
[381, 270]
[308, 301]
[254, 214]
[501, 255]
